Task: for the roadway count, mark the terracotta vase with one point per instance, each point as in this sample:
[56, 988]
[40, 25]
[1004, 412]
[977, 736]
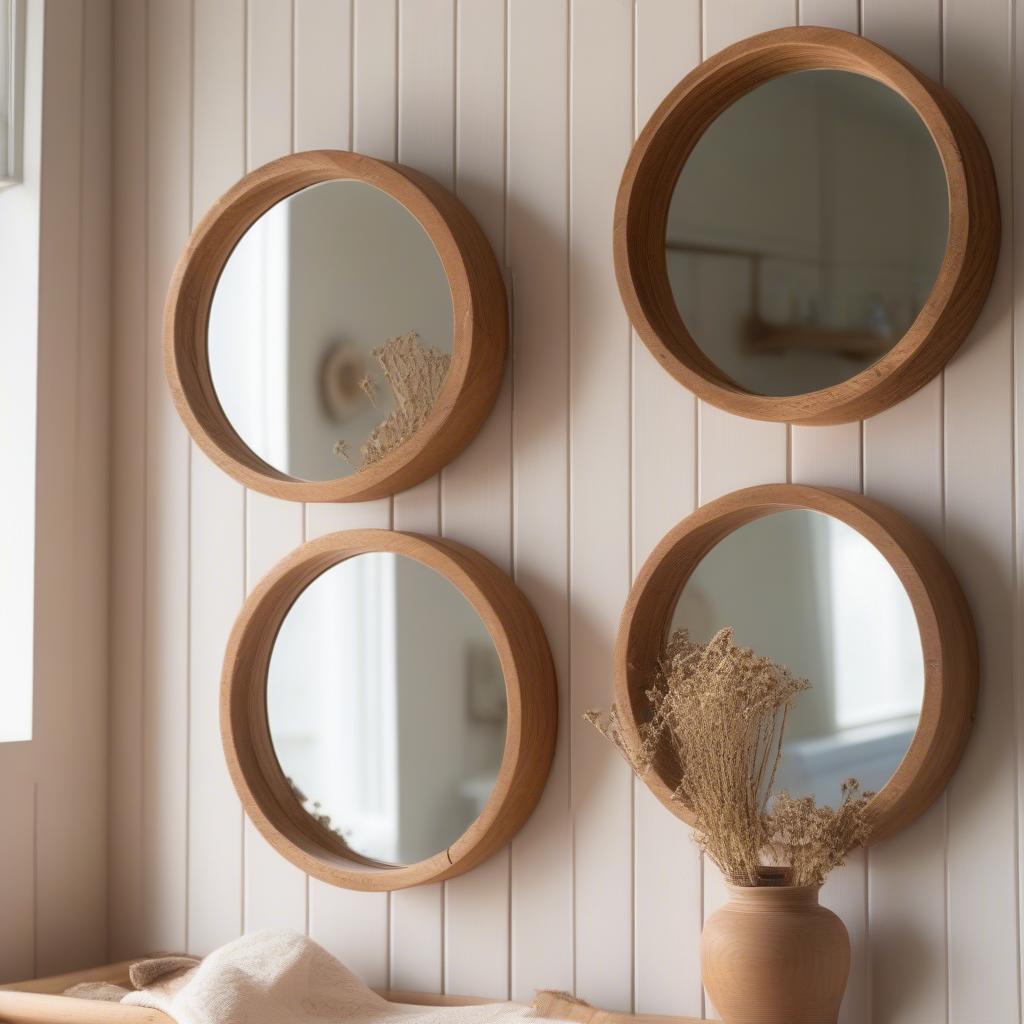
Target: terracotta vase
[774, 955]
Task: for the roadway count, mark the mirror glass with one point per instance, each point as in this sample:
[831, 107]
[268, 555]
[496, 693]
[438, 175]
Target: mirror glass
[806, 231]
[386, 705]
[811, 593]
[330, 330]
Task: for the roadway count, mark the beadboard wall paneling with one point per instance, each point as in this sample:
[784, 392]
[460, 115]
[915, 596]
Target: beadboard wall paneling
[537, 254]
[476, 495]
[834, 456]
[527, 109]
[902, 465]
[325, 117]
[275, 892]
[217, 580]
[601, 133]
[128, 448]
[979, 537]
[168, 535]
[668, 870]
[733, 452]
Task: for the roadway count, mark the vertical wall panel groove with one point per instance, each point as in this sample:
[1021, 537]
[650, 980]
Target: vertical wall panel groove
[360, 921]
[57, 564]
[351, 925]
[94, 474]
[601, 131]
[537, 246]
[984, 955]
[667, 868]
[128, 491]
[734, 452]
[275, 890]
[165, 704]
[426, 141]
[217, 514]
[477, 487]
[425, 138]
[903, 467]
[62, 795]
[17, 888]
[833, 456]
[668, 901]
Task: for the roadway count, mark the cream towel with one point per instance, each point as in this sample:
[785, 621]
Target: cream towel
[282, 977]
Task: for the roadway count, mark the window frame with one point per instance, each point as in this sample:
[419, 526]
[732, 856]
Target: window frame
[12, 92]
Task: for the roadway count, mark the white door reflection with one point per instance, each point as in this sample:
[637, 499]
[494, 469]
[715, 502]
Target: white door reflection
[811, 593]
[311, 294]
[386, 705]
[251, 308]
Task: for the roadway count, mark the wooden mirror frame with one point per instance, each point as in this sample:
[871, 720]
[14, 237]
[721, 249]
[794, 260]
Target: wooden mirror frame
[480, 325]
[530, 732]
[948, 640]
[645, 194]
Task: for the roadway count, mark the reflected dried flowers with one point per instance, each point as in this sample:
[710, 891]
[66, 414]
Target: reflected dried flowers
[343, 450]
[415, 373]
[313, 809]
[370, 389]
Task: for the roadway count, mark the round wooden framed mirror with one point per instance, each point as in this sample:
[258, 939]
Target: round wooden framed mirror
[842, 591]
[806, 229]
[335, 329]
[388, 708]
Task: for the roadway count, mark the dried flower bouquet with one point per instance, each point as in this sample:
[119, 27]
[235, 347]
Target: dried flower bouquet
[416, 374]
[718, 720]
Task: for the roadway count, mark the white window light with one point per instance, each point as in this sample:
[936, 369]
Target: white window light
[20, 23]
[12, 91]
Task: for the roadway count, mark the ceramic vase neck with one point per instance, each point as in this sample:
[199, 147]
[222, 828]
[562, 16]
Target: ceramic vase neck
[773, 897]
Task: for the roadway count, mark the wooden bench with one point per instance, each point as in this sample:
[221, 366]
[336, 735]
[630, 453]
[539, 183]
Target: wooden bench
[41, 1002]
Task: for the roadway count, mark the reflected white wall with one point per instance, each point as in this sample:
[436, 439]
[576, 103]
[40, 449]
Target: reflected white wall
[371, 702]
[814, 595]
[337, 263]
[816, 200]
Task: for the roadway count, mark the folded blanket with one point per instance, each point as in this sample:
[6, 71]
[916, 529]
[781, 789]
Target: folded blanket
[282, 977]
